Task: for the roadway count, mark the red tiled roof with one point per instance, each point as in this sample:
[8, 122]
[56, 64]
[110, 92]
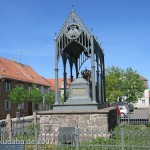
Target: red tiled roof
[145, 81]
[12, 70]
[60, 80]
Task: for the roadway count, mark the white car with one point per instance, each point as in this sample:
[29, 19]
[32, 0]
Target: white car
[124, 111]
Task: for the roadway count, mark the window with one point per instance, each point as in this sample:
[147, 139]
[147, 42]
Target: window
[143, 101]
[45, 90]
[36, 107]
[7, 105]
[7, 86]
[21, 106]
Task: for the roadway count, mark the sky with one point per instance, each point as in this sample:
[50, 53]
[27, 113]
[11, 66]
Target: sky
[28, 27]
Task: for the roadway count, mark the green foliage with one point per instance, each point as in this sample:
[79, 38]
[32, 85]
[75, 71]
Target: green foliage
[132, 136]
[113, 83]
[123, 83]
[50, 98]
[133, 84]
[18, 95]
[62, 99]
[35, 95]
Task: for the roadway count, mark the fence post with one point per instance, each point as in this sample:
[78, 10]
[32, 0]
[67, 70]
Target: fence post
[149, 116]
[77, 138]
[34, 118]
[122, 138]
[36, 138]
[9, 125]
[128, 118]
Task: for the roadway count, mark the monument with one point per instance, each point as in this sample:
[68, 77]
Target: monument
[76, 44]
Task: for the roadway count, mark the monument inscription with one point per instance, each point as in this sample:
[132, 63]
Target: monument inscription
[78, 91]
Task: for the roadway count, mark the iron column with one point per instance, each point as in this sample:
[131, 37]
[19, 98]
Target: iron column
[56, 73]
[93, 71]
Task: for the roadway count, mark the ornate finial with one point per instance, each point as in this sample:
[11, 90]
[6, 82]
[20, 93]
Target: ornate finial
[55, 36]
[72, 7]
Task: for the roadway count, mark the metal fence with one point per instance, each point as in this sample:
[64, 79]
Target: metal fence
[138, 117]
[132, 133]
[126, 137]
[23, 122]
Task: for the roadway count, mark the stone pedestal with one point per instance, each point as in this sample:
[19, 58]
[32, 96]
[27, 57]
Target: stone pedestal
[79, 97]
[97, 120]
[79, 92]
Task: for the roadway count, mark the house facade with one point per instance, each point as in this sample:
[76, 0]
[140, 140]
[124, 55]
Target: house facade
[11, 75]
[144, 101]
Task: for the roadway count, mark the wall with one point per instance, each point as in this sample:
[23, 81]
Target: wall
[103, 119]
[4, 95]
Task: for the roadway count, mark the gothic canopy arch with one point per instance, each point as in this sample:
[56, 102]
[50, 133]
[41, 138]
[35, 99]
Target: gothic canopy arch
[77, 44]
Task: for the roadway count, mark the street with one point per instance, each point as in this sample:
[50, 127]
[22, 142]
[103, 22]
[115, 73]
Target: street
[140, 113]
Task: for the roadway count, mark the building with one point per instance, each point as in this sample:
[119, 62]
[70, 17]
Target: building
[144, 101]
[12, 74]
[60, 85]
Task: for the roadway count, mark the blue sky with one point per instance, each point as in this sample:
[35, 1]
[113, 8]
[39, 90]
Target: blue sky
[122, 28]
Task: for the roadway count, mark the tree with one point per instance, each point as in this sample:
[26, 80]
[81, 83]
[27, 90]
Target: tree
[35, 96]
[18, 95]
[133, 85]
[123, 83]
[50, 98]
[62, 99]
[113, 83]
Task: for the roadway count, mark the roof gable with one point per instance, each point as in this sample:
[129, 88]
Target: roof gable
[73, 19]
[17, 71]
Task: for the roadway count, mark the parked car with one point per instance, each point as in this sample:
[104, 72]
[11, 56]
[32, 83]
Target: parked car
[123, 108]
[124, 111]
[131, 106]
